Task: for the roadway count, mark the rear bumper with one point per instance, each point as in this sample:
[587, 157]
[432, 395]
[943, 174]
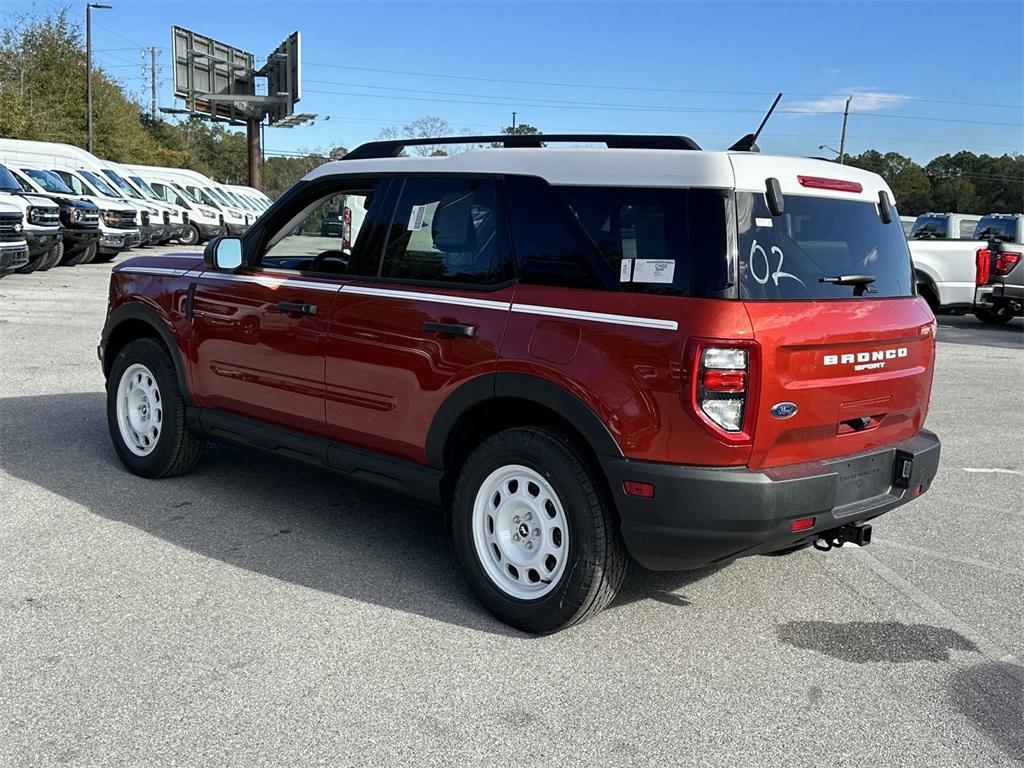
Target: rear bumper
[999, 295]
[702, 515]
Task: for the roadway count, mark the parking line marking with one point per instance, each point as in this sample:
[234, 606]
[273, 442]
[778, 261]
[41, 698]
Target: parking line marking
[994, 470]
[985, 646]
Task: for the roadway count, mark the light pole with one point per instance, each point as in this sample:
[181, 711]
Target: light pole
[830, 149]
[88, 66]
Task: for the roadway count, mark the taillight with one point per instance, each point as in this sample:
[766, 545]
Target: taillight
[982, 266]
[1005, 262]
[721, 391]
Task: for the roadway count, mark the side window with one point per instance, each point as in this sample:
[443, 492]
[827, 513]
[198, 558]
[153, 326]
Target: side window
[627, 239]
[330, 234]
[73, 182]
[450, 230]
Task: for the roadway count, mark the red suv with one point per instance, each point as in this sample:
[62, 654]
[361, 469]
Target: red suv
[580, 355]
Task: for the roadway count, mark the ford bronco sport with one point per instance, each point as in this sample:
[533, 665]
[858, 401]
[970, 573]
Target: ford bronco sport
[580, 354]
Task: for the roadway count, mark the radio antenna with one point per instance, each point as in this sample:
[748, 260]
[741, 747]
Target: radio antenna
[749, 142]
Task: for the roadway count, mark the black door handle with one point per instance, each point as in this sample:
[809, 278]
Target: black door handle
[296, 307]
[450, 329]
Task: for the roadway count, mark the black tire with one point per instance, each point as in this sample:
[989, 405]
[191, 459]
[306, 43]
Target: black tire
[596, 560]
[83, 256]
[994, 316]
[36, 262]
[178, 448]
[191, 236]
[53, 257]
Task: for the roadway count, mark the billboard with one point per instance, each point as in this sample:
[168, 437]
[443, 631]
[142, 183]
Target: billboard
[207, 73]
[283, 71]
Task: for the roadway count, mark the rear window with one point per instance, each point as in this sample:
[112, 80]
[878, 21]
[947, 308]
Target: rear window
[992, 228]
[820, 248]
[929, 227]
[630, 239]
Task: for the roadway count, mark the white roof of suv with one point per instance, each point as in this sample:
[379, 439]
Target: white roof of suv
[630, 168]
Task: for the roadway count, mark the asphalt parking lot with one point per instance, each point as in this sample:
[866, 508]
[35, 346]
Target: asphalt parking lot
[261, 613]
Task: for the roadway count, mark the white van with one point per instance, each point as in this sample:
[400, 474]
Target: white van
[13, 248]
[205, 190]
[174, 216]
[41, 225]
[204, 222]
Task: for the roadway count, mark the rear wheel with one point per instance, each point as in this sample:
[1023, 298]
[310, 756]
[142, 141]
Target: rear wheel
[146, 413]
[535, 532]
[999, 316]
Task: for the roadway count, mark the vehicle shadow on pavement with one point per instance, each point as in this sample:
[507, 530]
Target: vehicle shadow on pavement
[267, 515]
[991, 696]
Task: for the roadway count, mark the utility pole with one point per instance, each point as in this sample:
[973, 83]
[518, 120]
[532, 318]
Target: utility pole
[152, 82]
[842, 137]
[88, 67]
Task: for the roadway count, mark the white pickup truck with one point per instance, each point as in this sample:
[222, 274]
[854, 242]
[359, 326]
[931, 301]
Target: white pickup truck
[946, 273]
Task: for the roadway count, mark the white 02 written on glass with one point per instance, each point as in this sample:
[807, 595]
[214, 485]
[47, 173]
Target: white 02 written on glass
[768, 273]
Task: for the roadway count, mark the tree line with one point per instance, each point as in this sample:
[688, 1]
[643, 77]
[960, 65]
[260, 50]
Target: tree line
[42, 85]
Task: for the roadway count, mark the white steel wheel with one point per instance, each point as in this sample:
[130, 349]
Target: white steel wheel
[140, 410]
[520, 532]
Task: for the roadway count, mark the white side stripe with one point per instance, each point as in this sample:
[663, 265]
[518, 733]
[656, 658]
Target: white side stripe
[152, 271]
[597, 317]
[461, 301]
[272, 281]
[438, 298]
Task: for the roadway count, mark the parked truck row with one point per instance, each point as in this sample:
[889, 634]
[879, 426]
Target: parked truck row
[62, 205]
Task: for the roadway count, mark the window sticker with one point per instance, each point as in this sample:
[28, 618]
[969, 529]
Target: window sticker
[625, 270]
[762, 222]
[416, 217]
[653, 270]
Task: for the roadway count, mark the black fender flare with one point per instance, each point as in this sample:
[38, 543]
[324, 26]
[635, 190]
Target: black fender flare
[526, 387]
[138, 312]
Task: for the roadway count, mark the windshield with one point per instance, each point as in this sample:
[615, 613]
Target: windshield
[238, 199]
[99, 183]
[48, 181]
[820, 248]
[217, 194]
[184, 193]
[993, 228]
[929, 227]
[7, 181]
[123, 185]
[146, 189]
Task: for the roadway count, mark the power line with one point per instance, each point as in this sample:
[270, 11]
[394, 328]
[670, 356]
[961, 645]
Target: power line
[569, 104]
[633, 88]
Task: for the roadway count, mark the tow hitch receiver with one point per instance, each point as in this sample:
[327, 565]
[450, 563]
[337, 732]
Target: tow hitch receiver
[855, 533]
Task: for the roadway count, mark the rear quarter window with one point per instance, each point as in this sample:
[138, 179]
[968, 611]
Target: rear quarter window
[623, 239]
[800, 253]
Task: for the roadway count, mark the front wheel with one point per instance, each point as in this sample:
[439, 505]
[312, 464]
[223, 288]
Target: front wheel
[534, 530]
[146, 413]
[190, 236]
[994, 316]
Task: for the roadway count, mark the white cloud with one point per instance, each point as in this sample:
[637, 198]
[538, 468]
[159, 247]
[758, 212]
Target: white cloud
[864, 100]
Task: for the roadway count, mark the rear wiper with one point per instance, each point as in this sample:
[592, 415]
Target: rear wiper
[861, 282]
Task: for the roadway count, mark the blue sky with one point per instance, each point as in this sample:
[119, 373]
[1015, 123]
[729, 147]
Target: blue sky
[926, 77]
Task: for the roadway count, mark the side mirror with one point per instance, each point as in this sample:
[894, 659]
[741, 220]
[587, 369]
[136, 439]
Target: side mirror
[223, 254]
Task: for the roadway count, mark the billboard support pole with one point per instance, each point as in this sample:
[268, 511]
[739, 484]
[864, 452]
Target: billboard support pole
[254, 152]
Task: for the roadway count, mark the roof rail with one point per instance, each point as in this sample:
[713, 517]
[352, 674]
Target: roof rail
[393, 148]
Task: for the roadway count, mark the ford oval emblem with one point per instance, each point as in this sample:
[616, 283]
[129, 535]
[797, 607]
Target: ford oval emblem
[783, 410]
